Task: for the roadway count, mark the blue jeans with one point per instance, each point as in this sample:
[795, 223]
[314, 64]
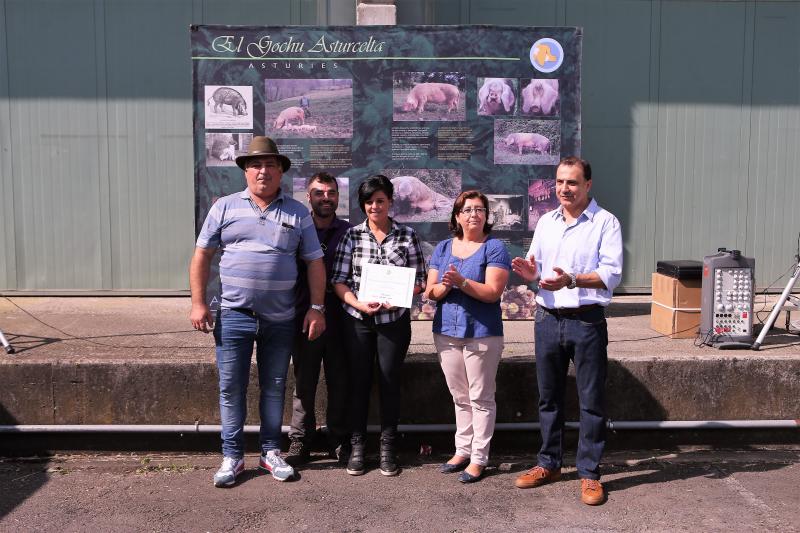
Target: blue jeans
[234, 333]
[582, 338]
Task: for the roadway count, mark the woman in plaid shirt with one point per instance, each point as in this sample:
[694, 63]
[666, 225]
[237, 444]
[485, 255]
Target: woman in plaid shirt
[375, 330]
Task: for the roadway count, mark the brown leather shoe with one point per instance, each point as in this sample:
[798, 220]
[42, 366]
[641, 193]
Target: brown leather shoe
[536, 477]
[592, 492]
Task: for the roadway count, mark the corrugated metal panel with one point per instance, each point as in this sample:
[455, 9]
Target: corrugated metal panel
[8, 258]
[255, 12]
[53, 122]
[774, 187]
[100, 192]
[618, 131]
[702, 128]
[149, 150]
[517, 13]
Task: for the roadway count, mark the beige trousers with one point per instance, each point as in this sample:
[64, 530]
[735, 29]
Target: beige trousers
[470, 368]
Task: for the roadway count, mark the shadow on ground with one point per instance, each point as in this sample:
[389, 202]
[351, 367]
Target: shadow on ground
[21, 477]
[627, 309]
[682, 466]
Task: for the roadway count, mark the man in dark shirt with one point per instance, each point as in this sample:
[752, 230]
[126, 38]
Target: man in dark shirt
[323, 196]
[306, 105]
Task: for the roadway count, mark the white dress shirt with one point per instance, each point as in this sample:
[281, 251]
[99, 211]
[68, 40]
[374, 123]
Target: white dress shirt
[592, 243]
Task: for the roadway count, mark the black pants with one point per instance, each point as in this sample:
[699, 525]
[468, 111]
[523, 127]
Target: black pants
[307, 357]
[388, 344]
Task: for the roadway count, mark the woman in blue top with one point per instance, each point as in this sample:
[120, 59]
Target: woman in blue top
[467, 276]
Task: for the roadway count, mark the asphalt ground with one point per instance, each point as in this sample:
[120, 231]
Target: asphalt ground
[690, 489]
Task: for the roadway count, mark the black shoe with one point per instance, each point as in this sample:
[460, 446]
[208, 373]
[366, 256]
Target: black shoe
[388, 463]
[355, 465]
[342, 452]
[449, 468]
[298, 453]
[466, 477]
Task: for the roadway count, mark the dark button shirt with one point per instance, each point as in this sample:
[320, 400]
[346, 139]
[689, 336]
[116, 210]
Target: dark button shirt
[328, 239]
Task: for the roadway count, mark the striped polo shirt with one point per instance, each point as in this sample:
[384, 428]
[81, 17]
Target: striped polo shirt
[259, 250]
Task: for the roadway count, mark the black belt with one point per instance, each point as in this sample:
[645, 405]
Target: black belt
[566, 311]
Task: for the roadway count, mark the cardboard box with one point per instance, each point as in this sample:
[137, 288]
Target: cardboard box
[676, 324]
[676, 293]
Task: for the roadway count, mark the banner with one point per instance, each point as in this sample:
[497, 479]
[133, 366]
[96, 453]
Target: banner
[437, 109]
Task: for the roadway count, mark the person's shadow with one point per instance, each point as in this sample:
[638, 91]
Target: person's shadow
[681, 466]
[20, 478]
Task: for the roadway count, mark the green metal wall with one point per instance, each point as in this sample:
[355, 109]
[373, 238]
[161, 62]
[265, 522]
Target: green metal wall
[96, 138]
[691, 118]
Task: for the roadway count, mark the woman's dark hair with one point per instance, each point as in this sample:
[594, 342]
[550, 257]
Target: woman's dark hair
[458, 205]
[370, 186]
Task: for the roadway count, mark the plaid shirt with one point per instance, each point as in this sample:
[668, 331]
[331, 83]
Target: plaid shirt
[358, 246]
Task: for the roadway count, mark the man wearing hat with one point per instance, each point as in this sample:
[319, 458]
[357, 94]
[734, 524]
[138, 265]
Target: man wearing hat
[260, 232]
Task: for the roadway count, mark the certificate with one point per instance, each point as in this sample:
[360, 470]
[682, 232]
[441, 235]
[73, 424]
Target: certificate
[386, 283]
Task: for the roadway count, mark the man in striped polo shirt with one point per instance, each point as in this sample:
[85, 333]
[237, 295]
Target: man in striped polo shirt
[260, 232]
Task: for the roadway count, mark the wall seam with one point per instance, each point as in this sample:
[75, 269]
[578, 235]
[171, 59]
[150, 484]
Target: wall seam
[13, 236]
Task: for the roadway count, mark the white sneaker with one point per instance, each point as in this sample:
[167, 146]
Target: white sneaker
[273, 463]
[226, 475]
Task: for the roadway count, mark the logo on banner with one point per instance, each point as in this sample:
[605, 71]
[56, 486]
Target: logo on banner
[546, 55]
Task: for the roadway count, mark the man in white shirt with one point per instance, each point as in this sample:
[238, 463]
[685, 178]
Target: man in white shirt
[576, 256]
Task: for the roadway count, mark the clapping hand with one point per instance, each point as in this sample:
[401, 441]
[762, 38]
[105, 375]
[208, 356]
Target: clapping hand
[452, 278]
[555, 283]
[525, 268]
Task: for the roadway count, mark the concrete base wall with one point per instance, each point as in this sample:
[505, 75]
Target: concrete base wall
[181, 392]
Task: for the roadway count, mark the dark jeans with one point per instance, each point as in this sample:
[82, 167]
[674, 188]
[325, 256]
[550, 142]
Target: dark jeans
[366, 343]
[307, 357]
[582, 338]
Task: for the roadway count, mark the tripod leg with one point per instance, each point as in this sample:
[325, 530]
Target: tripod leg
[777, 309]
[10, 349]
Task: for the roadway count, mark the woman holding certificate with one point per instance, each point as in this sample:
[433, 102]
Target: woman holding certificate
[377, 257]
[467, 276]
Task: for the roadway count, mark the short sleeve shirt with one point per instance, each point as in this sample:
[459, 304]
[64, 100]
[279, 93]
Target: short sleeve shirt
[462, 316]
[259, 251]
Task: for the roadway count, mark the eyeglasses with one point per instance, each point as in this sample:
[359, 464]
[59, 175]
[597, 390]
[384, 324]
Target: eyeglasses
[476, 210]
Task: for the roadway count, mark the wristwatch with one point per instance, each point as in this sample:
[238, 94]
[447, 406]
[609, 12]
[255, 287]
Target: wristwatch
[318, 307]
[573, 281]
[464, 284]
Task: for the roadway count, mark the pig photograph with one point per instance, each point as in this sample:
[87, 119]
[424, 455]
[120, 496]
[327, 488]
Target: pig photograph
[505, 211]
[222, 149]
[428, 96]
[228, 107]
[540, 98]
[520, 142]
[291, 116]
[497, 96]
[424, 309]
[541, 199]
[308, 108]
[423, 195]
